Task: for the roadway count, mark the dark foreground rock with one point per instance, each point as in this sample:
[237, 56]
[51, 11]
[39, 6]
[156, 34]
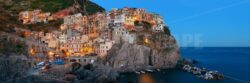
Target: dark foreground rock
[76, 74]
[12, 67]
[93, 74]
[36, 79]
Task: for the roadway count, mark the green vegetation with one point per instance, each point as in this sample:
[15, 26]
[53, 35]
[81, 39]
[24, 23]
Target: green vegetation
[10, 8]
[46, 27]
[92, 8]
[51, 5]
[45, 5]
[166, 30]
[11, 47]
[146, 25]
[56, 5]
[169, 48]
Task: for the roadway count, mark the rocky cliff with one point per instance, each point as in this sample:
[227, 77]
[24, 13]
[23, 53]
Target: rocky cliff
[151, 50]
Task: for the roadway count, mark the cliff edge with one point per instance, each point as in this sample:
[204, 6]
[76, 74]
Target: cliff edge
[151, 50]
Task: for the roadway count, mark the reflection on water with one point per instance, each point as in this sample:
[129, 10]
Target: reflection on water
[232, 62]
[146, 78]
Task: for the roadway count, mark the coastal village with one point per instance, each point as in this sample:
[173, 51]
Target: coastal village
[72, 45]
[83, 38]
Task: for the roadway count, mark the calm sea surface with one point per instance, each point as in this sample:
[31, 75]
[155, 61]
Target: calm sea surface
[233, 62]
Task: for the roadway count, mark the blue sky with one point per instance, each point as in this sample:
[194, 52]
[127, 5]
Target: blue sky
[198, 22]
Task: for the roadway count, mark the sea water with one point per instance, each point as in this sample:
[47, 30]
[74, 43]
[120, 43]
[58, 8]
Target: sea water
[233, 62]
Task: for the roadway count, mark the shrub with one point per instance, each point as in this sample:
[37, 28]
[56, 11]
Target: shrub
[166, 30]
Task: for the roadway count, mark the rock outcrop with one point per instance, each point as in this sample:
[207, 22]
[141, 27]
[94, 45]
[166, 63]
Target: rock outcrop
[159, 51]
[12, 67]
[91, 73]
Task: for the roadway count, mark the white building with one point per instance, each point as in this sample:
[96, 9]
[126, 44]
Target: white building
[130, 38]
[83, 59]
[53, 43]
[72, 19]
[121, 34]
[159, 22]
[158, 27]
[31, 17]
[103, 47]
[63, 38]
[119, 19]
[75, 44]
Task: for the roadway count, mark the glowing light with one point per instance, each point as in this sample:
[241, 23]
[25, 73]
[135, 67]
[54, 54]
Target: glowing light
[67, 53]
[26, 34]
[50, 53]
[146, 40]
[86, 50]
[135, 18]
[146, 78]
[32, 51]
[57, 55]
[62, 27]
[26, 17]
[50, 18]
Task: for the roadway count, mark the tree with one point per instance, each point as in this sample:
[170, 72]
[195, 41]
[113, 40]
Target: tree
[166, 30]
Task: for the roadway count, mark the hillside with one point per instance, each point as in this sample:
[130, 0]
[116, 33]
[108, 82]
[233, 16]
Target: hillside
[142, 42]
[10, 9]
